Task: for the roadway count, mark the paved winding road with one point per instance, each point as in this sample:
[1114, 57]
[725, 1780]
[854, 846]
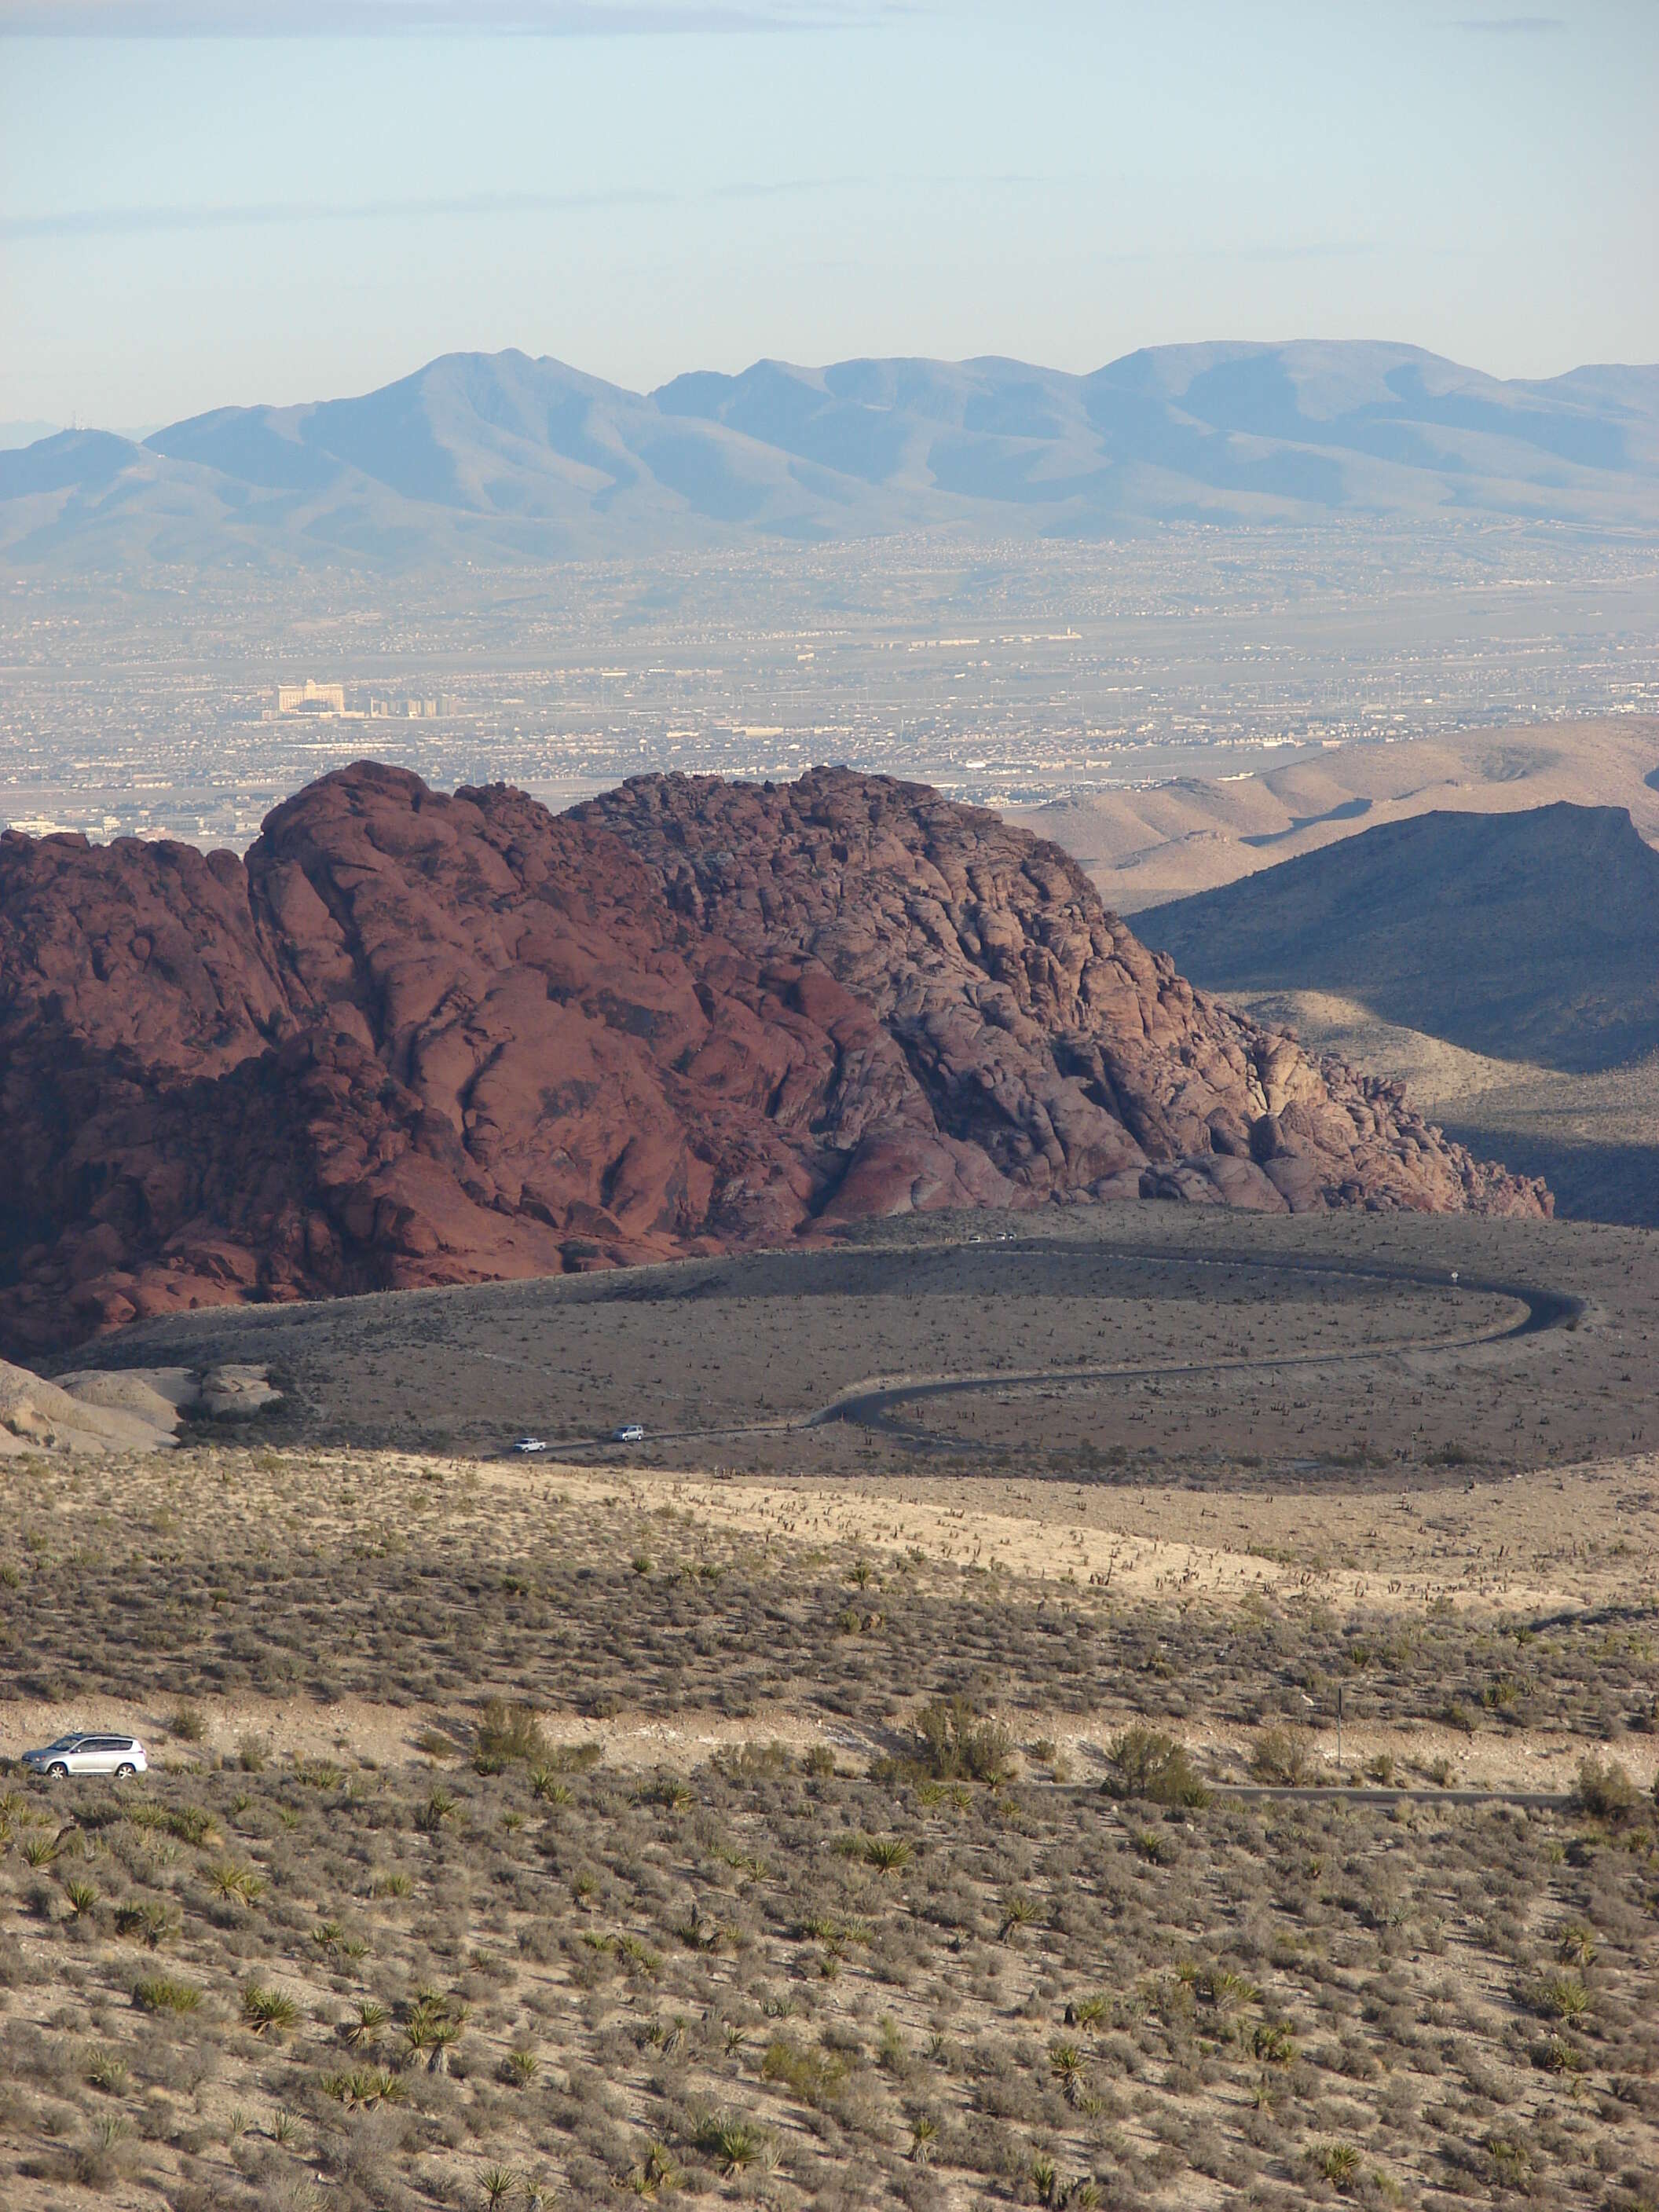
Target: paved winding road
[874, 1403]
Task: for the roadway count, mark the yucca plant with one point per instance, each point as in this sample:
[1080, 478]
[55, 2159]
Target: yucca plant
[107, 2072]
[364, 2088]
[1339, 2164]
[367, 2026]
[1563, 1996]
[1576, 1945]
[1018, 1911]
[887, 1854]
[266, 2011]
[1226, 1990]
[227, 1880]
[83, 1896]
[1066, 2065]
[736, 2144]
[655, 2172]
[441, 1805]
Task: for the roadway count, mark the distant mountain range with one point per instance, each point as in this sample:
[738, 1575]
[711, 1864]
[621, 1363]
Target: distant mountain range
[501, 456]
[1529, 937]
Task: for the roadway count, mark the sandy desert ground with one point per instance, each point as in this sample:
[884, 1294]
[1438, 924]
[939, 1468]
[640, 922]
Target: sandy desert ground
[1184, 1734]
[546, 1833]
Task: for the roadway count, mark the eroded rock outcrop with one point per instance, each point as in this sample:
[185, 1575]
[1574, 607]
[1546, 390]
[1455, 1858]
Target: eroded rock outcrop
[416, 1039]
[132, 1409]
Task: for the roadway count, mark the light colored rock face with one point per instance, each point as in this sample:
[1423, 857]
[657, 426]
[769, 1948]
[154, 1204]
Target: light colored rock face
[422, 1040]
[36, 1415]
[234, 1393]
[123, 1409]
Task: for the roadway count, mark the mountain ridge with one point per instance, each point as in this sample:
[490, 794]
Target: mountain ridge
[506, 456]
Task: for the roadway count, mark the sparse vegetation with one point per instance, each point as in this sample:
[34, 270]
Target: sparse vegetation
[881, 1960]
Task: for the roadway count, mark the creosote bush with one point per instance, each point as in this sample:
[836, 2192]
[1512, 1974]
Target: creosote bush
[505, 1734]
[956, 1742]
[1605, 1788]
[1145, 1762]
[1278, 1755]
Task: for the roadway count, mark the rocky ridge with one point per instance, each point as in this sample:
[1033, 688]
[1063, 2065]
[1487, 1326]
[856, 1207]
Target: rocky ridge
[415, 1039]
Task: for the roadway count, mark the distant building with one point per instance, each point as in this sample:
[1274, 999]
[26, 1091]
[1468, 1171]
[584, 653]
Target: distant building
[311, 698]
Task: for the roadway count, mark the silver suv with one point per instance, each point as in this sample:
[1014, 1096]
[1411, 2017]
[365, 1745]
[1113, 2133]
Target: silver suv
[84, 1754]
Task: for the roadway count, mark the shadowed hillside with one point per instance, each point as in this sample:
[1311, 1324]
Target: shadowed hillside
[1530, 937]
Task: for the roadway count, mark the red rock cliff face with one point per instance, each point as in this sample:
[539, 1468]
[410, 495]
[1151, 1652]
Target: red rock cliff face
[419, 1040]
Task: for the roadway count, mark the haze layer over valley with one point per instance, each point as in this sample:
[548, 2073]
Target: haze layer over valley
[1008, 673]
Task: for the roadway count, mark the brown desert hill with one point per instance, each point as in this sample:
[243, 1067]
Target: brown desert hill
[1144, 847]
[418, 1040]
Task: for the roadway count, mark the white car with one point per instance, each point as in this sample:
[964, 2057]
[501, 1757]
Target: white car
[85, 1754]
[631, 1432]
[531, 1444]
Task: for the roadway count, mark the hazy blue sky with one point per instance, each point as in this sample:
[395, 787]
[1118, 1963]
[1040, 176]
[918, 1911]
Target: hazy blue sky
[339, 189]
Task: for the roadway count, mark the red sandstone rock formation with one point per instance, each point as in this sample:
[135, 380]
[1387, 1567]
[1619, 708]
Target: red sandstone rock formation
[418, 1040]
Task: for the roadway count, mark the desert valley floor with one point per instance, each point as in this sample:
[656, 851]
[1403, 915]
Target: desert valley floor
[1136, 1706]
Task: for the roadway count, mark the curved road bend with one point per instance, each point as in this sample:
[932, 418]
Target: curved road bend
[871, 1404]
[873, 1407]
